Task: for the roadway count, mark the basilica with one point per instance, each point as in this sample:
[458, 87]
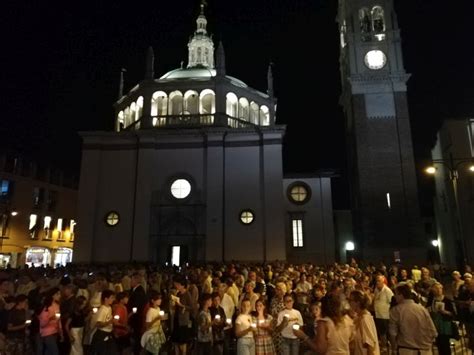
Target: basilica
[193, 173]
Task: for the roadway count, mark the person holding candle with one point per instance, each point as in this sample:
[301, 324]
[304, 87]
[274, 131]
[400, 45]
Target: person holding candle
[263, 338]
[365, 336]
[154, 337]
[50, 323]
[220, 327]
[75, 325]
[121, 329]
[204, 324]
[102, 340]
[245, 329]
[288, 317]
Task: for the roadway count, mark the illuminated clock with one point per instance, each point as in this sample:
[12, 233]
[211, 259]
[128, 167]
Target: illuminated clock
[375, 59]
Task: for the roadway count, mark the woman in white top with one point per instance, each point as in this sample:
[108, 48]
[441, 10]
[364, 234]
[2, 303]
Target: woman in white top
[365, 338]
[154, 337]
[335, 331]
[244, 330]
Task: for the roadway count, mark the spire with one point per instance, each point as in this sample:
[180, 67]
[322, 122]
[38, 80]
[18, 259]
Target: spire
[200, 46]
[220, 60]
[120, 93]
[150, 64]
[270, 80]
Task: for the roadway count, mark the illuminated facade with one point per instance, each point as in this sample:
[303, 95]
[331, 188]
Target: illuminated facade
[193, 172]
[37, 214]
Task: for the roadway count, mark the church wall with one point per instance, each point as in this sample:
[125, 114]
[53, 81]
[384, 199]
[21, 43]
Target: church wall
[318, 225]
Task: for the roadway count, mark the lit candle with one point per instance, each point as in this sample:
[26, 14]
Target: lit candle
[253, 325]
[58, 315]
[261, 321]
[162, 313]
[95, 309]
[116, 317]
[287, 316]
[28, 321]
[228, 321]
[134, 309]
[218, 317]
[296, 326]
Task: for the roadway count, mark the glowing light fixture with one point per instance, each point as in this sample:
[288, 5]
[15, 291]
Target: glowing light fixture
[350, 246]
[435, 242]
[430, 170]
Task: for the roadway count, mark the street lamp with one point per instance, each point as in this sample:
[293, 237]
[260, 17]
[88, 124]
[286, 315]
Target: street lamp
[453, 165]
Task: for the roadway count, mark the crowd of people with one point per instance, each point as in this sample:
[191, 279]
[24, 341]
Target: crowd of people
[244, 309]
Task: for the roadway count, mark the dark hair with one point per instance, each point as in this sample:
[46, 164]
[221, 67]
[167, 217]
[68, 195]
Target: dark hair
[181, 280]
[331, 307]
[48, 299]
[204, 298]
[155, 295]
[404, 290]
[215, 294]
[121, 295]
[20, 298]
[106, 294]
[78, 302]
[360, 298]
[265, 309]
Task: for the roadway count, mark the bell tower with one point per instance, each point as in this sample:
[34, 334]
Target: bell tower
[378, 135]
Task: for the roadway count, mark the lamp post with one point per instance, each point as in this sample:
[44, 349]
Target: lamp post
[452, 165]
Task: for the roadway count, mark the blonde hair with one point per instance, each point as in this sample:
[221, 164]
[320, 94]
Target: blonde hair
[282, 286]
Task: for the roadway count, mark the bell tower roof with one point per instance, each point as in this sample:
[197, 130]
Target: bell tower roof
[200, 45]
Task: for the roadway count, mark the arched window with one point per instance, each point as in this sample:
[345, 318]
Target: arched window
[208, 101]
[365, 21]
[254, 113]
[139, 112]
[120, 121]
[243, 109]
[199, 55]
[231, 105]
[264, 116]
[191, 102]
[378, 21]
[176, 103]
[159, 104]
[133, 112]
[127, 118]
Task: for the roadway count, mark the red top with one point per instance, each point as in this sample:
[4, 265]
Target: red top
[120, 310]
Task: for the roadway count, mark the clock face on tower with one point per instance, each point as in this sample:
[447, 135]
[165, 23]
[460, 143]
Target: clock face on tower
[375, 59]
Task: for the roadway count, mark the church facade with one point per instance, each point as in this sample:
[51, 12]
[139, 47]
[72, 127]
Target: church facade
[193, 172]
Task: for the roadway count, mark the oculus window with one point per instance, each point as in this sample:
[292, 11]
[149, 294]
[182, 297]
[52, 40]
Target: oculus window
[299, 193]
[180, 188]
[112, 218]
[246, 217]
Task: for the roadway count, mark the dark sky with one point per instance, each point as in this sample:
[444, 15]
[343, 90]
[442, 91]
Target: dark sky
[60, 68]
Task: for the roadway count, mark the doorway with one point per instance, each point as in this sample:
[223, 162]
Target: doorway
[178, 255]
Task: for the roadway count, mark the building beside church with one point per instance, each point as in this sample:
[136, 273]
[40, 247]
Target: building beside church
[193, 172]
[453, 170]
[384, 194]
[37, 213]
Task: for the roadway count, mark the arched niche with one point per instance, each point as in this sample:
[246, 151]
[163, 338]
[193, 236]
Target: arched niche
[254, 111]
[139, 110]
[176, 103]
[244, 109]
[378, 19]
[159, 103]
[231, 105]
[365, 21]
[264, 116]
[191, 102]
[208, 101]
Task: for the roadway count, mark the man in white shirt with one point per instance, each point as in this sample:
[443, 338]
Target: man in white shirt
[288, 318]
[382, 299]
[411, 328]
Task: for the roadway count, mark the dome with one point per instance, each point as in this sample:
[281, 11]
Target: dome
[198, 73]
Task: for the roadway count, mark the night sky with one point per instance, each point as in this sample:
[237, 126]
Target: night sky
[60, 69]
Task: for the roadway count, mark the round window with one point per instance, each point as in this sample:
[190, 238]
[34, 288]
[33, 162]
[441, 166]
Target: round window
[180, 188]
[246, 217]
[299, 193]
[112, 218]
